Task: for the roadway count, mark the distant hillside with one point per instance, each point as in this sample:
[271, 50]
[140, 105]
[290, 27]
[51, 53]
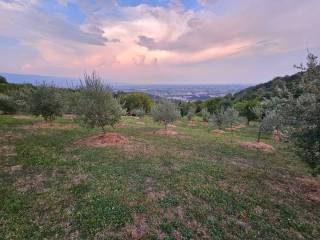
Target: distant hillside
[268, 89]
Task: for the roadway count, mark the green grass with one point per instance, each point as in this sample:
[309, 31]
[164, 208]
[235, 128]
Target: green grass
[197, 185]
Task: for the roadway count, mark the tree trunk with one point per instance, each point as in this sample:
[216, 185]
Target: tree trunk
[103, 129]
[259, 134]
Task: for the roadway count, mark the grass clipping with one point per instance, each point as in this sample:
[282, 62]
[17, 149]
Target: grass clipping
[258, 146]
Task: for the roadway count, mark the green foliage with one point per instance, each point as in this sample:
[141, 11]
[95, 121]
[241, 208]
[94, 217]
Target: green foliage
[7, 104]
[218, 118]
[21, 99]
[191, 113]
[244, 108]
[96, 106]
[205, 115]
[212, 105]
[101, 212]
[165, 112]
[138, 112]
[45, 101]
[231, 116]
[218, 104]
[3, 80]
[302, 114]
[133, 101]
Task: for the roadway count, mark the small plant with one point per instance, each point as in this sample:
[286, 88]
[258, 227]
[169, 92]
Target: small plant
[165, 112]
[205, 115]
[231, 116]
[45, 102]
[96, 106]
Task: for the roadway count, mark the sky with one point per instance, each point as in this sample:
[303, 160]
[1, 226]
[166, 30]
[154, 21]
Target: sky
[159, 41]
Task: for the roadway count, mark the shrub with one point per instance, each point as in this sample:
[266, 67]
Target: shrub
[45, 101]
[218, 118]
[133, 101]
[138, 112]
[231, 116]
[191, 113]
[205, 115]
[165, 112]
[244, 109]
[7, 105]
[96, 106]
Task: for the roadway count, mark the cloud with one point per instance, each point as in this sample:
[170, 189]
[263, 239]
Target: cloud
[143, 42]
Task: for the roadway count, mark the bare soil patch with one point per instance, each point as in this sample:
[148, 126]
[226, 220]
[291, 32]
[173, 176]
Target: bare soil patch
[132, 146]
[258, 146]
[105, 140]
[166, 132]
[310, 187]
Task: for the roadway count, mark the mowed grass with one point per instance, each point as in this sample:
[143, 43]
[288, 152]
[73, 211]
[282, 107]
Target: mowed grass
[196, 185]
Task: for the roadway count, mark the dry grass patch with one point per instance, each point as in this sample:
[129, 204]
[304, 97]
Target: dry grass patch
[7, 151]
[49, 125]
[31, 183]
[306, 187]
[218, 131]
[139, 227]
[258, 146]
[117, 140]
[166, 132]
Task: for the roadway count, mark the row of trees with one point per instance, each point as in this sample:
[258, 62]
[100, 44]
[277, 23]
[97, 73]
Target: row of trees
[297, 116]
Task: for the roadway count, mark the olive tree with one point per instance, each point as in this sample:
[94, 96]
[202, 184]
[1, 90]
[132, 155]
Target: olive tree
[7, 104]
[205, 115]
[218, 118]
[45, 101]
[165, 112]
[231, 116]
[191, 113]
[96, 106]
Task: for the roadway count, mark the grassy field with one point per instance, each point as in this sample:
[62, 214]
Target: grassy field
[195, 185]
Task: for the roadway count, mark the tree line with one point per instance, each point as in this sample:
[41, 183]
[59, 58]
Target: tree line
[293, 112]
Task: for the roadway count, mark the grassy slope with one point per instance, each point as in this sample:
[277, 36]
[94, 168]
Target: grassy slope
[195, 186]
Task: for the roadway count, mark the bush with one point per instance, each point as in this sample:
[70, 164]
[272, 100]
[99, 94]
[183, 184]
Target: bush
[7, 104]
[132, 101]
[218, 118]
[139, 112]
[244, 109]
[205, 115]
[45, 102]
[165, 112]
[191, 113]
[96, 106]
[231, 116]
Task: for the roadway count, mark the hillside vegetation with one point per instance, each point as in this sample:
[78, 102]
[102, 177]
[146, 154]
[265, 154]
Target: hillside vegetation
[87, 163]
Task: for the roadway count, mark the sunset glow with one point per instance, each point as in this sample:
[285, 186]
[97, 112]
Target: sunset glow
[164, 41]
